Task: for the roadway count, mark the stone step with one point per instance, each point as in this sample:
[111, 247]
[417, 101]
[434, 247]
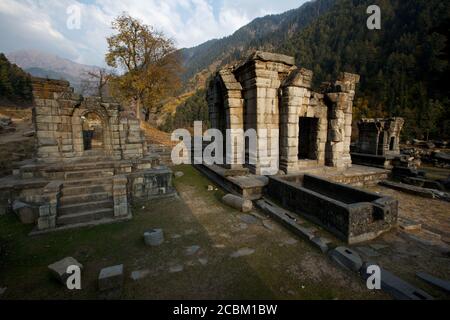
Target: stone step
[84, 217]
[87, 182]
[86, 197]
[68, 191]
[89, 174]
[85, 207]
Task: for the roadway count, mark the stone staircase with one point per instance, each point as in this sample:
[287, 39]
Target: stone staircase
[163, 152]
[87, 196]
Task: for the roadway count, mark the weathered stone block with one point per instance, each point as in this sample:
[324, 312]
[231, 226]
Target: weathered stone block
[59, 268]
[111, 278]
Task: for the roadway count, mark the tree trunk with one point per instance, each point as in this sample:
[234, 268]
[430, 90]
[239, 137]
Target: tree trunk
[138, 109]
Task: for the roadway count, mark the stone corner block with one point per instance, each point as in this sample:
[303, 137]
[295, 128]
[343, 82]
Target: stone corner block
[59, 268]
[111, 278]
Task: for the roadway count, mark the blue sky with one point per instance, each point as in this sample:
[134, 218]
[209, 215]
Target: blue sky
[42, 24]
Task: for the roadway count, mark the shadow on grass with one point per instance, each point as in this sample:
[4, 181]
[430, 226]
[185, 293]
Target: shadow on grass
[24, 259]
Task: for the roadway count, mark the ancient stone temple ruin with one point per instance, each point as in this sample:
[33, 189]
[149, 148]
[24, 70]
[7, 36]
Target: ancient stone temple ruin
[267, 91]
[91, 161]
[378, 141]
[311, 141]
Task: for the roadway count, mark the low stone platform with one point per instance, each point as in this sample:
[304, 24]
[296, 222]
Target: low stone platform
[378, 161]
[248, 186]
[356, 175]
[251, 186]
[74, 194]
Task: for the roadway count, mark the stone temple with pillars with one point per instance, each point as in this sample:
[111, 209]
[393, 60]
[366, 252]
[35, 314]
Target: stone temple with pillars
[91, 162]
[308, 133]
[267, 91]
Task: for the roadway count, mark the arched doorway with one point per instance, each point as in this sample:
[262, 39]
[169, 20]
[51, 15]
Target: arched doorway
[93, 131]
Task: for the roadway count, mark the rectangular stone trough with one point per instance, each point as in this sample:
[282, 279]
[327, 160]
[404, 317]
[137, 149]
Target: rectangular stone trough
[352, 214]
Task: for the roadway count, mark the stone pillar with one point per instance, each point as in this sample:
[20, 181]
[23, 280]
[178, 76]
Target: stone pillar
[261, 77]
[225, 105]
[295, 98]
[340, 104]
[120, 196]
[49, 211]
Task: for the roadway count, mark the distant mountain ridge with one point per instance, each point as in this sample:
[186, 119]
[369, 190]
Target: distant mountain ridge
[46, 65]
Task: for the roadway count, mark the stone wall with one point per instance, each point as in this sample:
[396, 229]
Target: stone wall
[351, 214]
[58, 116]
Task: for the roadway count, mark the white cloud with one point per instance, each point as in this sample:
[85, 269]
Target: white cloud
[41, 24]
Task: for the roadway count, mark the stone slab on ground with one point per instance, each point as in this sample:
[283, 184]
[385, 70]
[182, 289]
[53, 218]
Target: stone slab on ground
[268, 224]
[368, 252]
[377, 246]
[347, 258]
[396, 287]
[409, 225]
[439, 283]
[111, 278]
[192, 250]
[59, 268]
[285, 218]
[418, 191]
[242, 252]
[176, 268]
[139, 274]
[321, 243]
[179, 174]
[249, 219]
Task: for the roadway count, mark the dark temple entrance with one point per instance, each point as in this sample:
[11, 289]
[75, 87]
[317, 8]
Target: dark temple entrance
[92, 132]
[307, 138]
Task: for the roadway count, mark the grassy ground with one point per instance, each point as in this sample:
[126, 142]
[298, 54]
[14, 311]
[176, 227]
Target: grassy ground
[281, 266]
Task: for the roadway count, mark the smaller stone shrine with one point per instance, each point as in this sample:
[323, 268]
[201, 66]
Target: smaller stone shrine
[91, 161]
[378, 142]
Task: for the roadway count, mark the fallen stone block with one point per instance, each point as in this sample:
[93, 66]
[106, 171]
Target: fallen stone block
[238, 203]
[111, 278]
[179, 174]
[26, 213]
[396, 287]
[154, 237]
[249, 219]
[59, 268]
[439, 283]
[242, 252]
[139, 274]
[346, 258]
[321, 243]
[409, 225]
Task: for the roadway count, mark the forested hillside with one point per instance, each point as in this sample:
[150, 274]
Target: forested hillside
[15, 84]
[266, 33]
[404, 66]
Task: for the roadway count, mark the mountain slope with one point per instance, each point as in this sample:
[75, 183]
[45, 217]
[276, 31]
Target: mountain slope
[264, 33]
[42, 64]
[15, 84]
